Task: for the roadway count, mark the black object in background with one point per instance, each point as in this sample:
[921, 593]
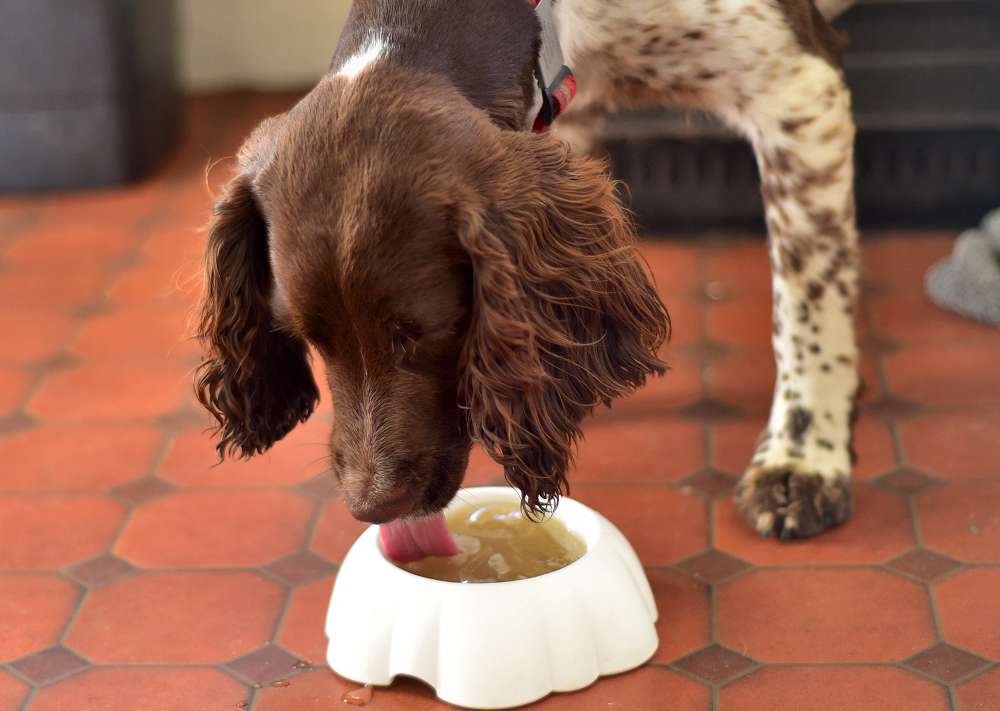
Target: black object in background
[88, 91]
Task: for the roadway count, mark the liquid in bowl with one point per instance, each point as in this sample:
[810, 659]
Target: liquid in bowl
[498, 543]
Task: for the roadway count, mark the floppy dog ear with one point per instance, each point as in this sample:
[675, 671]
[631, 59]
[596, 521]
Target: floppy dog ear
[254, 378]
[565, 317]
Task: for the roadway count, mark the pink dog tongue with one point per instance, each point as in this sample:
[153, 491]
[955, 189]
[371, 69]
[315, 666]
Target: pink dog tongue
[408, 539]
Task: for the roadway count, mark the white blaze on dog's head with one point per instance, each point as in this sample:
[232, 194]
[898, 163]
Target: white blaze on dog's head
[371, 51]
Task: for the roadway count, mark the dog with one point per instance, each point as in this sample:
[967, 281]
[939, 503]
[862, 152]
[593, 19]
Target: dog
[468, 280]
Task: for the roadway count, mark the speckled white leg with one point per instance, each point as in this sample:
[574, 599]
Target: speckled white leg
[747, 62]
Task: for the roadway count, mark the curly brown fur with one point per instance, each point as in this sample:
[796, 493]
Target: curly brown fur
[565, 317]
[254, 379]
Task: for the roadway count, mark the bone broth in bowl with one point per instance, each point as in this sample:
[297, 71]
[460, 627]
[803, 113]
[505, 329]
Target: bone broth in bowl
[505, 611]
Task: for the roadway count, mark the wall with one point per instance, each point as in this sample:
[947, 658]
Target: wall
[256, 44]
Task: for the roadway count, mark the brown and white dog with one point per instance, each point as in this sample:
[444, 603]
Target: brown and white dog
[466, 280]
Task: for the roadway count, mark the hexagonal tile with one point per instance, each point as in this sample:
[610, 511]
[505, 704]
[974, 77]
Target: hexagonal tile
[14, 385]
[981, 693]
[963, 520]
[645, 689]
[742, 322]
[655, 451]
[52, 288]
[856, 688]
[265, 665]
[924, 564]
[55, 531]
[968, 605]
[34, 609]
[929, 442]
[824, 615]
[946, 663]
[971, 374]
[144, 689]
[683, 604]
[222, 529]
[12, 692]
[321, 690]
[680, 386]
[336, 532]
[113, 390]
[137, 331]
[50, 665]
[663, 525]
[40, 333]
[193, 461]
[302, 629]
[879, 529]
[177, 618]
[63, 458]
[716, 664]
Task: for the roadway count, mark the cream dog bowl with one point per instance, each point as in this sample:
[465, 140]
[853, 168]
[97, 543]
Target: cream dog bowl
[495, 645]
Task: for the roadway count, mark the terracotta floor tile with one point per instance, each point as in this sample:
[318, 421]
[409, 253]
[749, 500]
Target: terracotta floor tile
[744, 379]
[12, 692]
[482, 471]
[162, 284]
[301, 455]
[981, 693]
[642, 690]
[742, 321]
[336, 532]
[946, 376]
[177, 618]
[95, 244]
[45, 532]
[969, 607]
[680, 386]
[879, 529]
[652, 450]
[14, 385]
[686, 327]
[80, 457]
[63, 290]
[138, 331]
[824, 615]
[302, 628]
[833, 689]
[178, 242]
[40, 333]
[34, 609]
[734, 444]
[216, 529]
[106, 390]
[674, 266]
[902, 259]
[144, 689]
[742, 266]
[663, 525]
[647, 689]
[963, 520]
[929, 442]
[683, 625]
[915, 319]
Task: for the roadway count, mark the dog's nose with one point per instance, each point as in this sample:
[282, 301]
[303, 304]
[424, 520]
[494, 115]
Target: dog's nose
[383, 507]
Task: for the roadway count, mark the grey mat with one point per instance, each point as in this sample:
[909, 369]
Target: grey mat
[968, 281]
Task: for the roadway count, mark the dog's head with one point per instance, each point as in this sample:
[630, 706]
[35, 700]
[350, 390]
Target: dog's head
[461, 282]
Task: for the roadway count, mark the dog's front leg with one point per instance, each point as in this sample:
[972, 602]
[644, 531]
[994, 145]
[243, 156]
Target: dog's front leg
[801, 126]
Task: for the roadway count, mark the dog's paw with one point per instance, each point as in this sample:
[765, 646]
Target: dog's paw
[788, 504]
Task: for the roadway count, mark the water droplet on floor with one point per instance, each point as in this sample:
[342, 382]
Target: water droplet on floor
[358, 697]
[242, 704]
[281, 683]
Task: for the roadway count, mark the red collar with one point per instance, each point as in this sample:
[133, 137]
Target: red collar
[556, 85]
